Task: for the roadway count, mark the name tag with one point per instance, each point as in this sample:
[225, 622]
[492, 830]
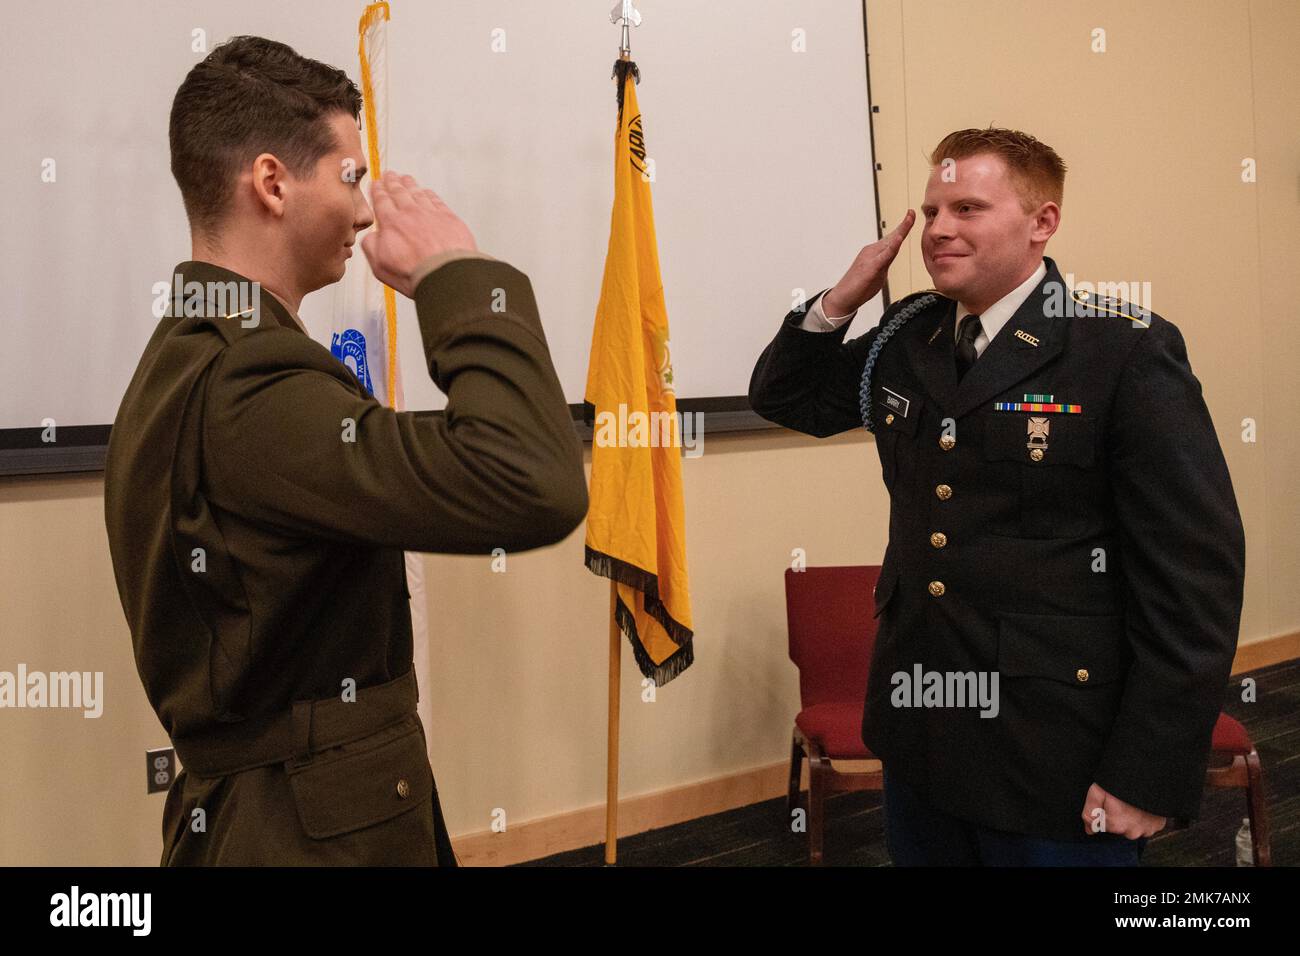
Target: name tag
[896, 402]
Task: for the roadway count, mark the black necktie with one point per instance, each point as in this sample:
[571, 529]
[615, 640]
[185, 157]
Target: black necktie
[966, 336]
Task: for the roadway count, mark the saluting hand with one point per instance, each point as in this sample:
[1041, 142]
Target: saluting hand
[866, 276]
[1119, 817]
[411, 224]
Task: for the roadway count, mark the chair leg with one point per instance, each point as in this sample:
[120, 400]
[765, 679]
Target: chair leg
[796, 769]
[1257, 808]
[819, 770]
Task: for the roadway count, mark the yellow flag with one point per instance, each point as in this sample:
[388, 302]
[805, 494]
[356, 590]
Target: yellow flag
[636, 531]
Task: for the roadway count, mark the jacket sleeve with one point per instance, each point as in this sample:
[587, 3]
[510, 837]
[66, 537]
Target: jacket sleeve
[1183, 558]
[291, 441]
[810, 381]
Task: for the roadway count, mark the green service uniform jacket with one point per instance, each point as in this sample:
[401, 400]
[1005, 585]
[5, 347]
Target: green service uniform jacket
[1088, 554]
[258, 502]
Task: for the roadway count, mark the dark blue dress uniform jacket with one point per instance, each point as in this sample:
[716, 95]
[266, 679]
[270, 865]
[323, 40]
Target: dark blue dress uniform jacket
[1101, 579]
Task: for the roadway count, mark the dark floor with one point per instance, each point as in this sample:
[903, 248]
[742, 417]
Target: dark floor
[759, 835]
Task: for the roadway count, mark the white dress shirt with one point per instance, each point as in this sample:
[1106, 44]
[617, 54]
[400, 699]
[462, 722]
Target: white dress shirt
[991, 319]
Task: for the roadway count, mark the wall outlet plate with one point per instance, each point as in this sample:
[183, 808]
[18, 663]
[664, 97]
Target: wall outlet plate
[162, 768]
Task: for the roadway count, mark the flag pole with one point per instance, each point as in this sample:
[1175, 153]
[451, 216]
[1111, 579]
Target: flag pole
[626, 16]
[611, 755]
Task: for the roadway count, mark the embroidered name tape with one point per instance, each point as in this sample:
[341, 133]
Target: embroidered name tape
[895, 401]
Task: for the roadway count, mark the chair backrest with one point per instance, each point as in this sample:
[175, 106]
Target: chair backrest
[830, 612]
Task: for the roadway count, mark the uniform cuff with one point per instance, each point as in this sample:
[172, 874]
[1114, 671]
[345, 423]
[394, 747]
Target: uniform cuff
[439, 259]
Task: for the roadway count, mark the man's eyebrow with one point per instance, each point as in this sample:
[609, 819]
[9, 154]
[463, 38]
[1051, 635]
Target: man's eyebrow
[965, 200]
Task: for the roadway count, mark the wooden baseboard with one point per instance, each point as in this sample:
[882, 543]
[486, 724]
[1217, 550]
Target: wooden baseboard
[575, 829]
[579, 828]
[1265, 653]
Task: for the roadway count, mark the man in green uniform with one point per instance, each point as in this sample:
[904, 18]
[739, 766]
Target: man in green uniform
[258, 499]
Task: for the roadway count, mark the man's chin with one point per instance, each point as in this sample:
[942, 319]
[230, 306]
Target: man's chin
[334, 275]
[945, 287]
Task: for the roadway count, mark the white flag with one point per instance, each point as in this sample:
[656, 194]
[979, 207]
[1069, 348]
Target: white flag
[363, 334]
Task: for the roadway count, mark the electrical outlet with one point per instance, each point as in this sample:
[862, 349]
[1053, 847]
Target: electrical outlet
[162, 768]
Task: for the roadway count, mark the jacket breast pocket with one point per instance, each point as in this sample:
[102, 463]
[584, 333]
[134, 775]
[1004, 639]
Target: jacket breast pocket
[1056, 459]
[362, 783]
[896, 413]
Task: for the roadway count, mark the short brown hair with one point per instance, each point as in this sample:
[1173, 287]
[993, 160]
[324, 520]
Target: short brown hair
[248, 96]
[1038, 171]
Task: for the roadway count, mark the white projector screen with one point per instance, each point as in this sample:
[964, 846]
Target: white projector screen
[757, 119]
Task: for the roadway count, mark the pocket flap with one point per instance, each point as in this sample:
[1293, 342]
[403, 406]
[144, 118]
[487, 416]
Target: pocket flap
[885, 585]
[896, 408]
[1081, 651]
[362, 783]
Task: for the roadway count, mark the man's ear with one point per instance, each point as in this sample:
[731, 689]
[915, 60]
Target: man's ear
[270, 181]
[1046, 221]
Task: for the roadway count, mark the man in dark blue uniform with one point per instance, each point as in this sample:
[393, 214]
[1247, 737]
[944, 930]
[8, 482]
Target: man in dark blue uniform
[1060, 597]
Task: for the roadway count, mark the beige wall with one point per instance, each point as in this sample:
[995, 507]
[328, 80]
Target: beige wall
[1154, 132]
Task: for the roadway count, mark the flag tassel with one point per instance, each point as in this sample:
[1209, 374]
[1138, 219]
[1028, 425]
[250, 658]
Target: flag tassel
[648, 584]
[622, 68]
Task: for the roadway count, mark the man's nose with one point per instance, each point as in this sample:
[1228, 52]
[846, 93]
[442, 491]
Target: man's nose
[940, 228]
[365, 216]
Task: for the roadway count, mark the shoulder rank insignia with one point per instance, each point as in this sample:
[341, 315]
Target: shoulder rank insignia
[1092, 304]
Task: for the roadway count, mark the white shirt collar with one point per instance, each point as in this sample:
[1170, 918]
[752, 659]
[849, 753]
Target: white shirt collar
[995, 316]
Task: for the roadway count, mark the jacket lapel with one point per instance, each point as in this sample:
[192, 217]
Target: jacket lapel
[932, 355]
[1011, 357]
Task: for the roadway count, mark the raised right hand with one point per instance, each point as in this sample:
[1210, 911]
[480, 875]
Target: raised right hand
[411, 224]
[867, 275]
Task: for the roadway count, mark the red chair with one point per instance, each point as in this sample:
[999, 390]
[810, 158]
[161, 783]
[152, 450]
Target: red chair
[830, 613]
[1234, 762]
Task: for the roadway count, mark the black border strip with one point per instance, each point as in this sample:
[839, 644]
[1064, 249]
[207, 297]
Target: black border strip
[82, 448]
